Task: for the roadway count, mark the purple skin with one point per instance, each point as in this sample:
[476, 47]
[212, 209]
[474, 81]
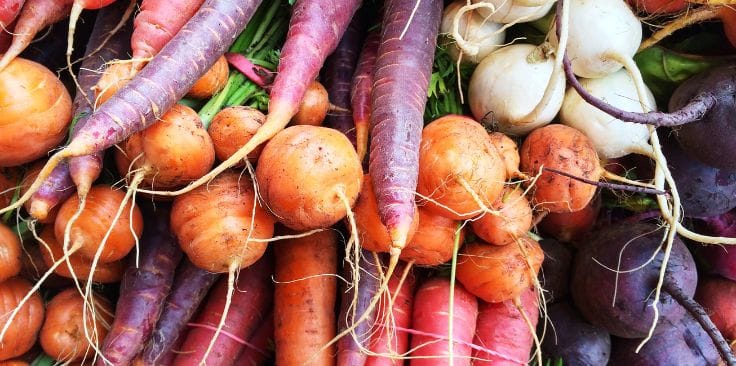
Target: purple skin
[555, 274]
[682, 344]
[361, 88]
[166, 78]
[400, 84]
[191, 285]
[705, 191]
[337, 75]
[721, 260]
[348, 351]
[59, 185]
[143, 290]
[627, 246]
[574, 340]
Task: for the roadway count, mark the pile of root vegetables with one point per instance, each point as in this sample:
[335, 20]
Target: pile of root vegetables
[367, 182]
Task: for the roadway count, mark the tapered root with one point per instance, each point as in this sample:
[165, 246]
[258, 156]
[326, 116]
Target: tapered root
[53, 161]
[698, 15]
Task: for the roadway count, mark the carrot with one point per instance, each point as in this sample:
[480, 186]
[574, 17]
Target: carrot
[22, 330]
[51, 251]
[354, 301]
[35, 15]
[304, 299]
[433, 241]
[372, 233]
[9, 178]
[66, 332]
[390, 341]
[460, 172]
[88, 230]
[9, 11]
[259, 349]
[142, 291]
[35, 106]
[251, 301]
[441, 316]
[145, 99]
[566, 149]
[497, 273]
[169, 153]
[232, 127]
[190, 286]
[83, 170]
[501, 328]
[337, 75]
[156, 23]
[309, 176]
[512, 220]
[10, 252]
[360, 93]
[315, 25]
[400, 82]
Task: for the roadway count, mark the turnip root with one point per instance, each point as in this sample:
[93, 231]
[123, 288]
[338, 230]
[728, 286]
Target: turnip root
[480, 36]
[514, 11]
[507, 86]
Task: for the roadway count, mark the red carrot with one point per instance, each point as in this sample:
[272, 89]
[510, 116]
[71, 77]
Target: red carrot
[338, 73]
[159, 86]
[35, 15]
[191, 284]
[251, 300]
[432, 315]
[142, 291]
[400, 83]
[157, 22]
[9, 10]
[260, 347]
[388, 342]
[59, 185]
[360, 94]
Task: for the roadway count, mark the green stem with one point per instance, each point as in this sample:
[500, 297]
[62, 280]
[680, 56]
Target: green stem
[453, 270]
[215, 104]
[43, 360]
[273, 36]
[241, 94]
[264, 24]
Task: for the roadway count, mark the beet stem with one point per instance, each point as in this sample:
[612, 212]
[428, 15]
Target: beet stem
[701, 317]
[622, 187]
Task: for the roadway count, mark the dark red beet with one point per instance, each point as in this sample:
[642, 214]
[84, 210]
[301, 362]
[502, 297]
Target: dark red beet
[574, 340]
[555, 273]
[682, 344]
[627, 247]
[721, 260]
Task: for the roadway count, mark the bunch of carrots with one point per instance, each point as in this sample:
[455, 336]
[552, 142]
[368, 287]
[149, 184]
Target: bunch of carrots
[366, 182]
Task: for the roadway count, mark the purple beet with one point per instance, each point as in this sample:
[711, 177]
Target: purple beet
[574, 340]
[721, 260]
[555, 274]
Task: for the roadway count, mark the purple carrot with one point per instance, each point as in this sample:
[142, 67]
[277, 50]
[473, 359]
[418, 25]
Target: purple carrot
[360, 93]
[259, 349]
[164, 80]
[59, 185]
[314, 31]
[401, 78]
[191, 285]
[142, 291]
[338, 73]
[348, 350]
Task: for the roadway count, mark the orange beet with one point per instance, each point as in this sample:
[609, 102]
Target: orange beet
[63, 333]
[565, 149]
[21, 334]
[508, 150]
[35, 110]
[212, 81]
[303, 171]
[108, 272]
[433, 241]
[10, 252]
[213, 224]
[314, 106]
[497, 273]
[455, 151]
[232, 127]
[96, 218]
[513, 221]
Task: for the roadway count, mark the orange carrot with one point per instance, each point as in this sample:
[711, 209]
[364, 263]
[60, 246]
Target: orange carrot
[51, 251]
[433, 241]
[22, 331]
[304, 301]
[513, 220]
[232, 127]
[10, 252]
